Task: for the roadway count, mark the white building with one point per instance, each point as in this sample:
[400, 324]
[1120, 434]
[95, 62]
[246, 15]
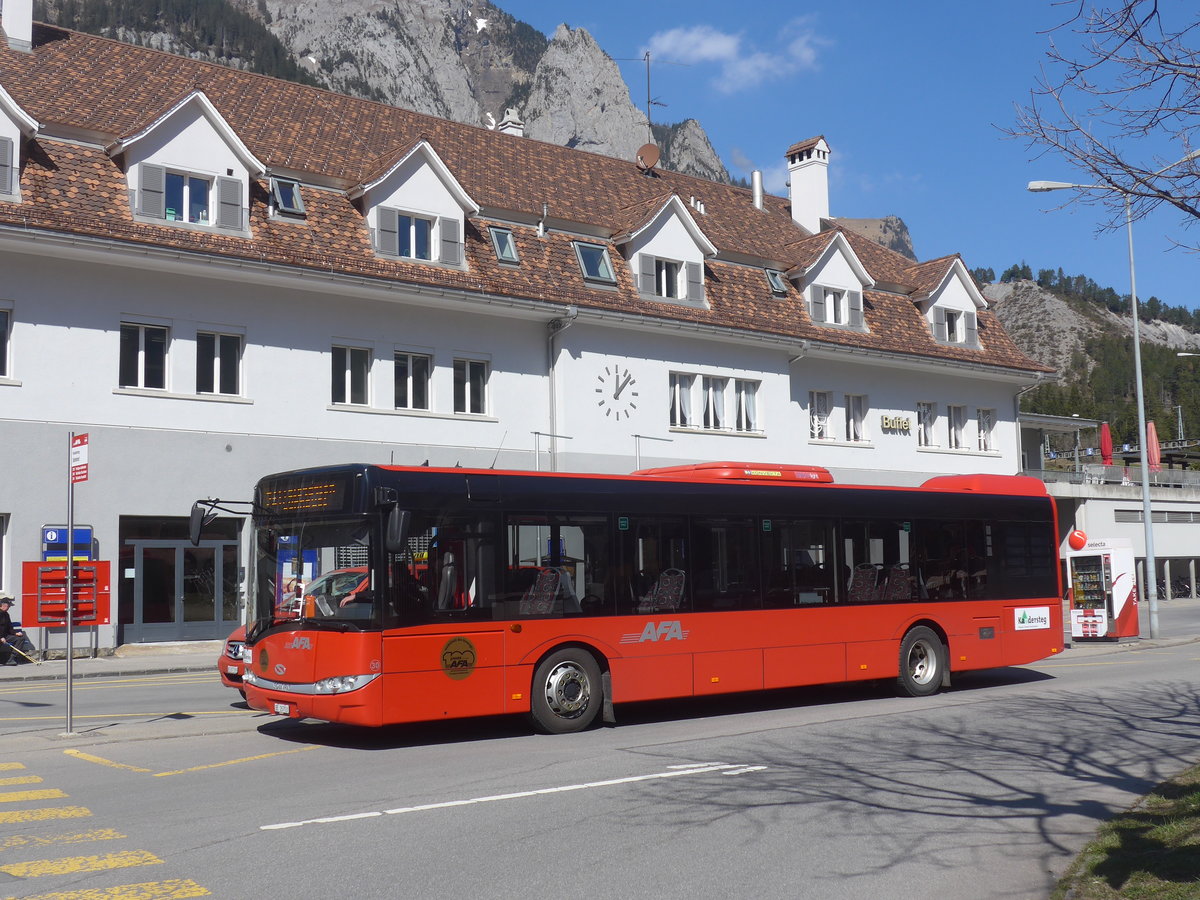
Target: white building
[217, 275]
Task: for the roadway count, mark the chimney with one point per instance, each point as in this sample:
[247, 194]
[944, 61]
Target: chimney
[808, 182]
[511, 123]
[757, 188]
[16, 16]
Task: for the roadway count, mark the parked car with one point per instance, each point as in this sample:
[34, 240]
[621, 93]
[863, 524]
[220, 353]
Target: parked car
[230, 664]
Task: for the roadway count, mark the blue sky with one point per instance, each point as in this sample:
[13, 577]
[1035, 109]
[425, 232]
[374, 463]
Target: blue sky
[909, 95]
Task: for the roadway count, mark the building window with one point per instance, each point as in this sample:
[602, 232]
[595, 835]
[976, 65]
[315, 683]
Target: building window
[470, 386]
[411, 378]
[504, 244]
[856, 417]
[666, 278]
[143, 356]
[404, 235]
[594, 263]
[745, 401]
[351, 367]
[926, 418]
[218, 363]
[955, 326]
[714, 402]
[986, 420]
[835, 307]
[5, 325]
[832, 306]
[818, 414]
[287, 196]
[777, 282]
[187, 198]
[956, 423]
[681, 400]
[8, 166]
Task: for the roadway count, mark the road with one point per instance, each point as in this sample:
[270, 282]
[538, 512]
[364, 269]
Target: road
[984, 792]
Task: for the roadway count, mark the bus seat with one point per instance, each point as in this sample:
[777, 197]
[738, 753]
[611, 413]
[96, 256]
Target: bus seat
[863, 583]
[448, 584]
[901, 585]
[566, 588]
[539, 599]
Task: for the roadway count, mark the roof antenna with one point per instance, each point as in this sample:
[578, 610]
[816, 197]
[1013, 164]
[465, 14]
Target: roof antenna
[497, 456]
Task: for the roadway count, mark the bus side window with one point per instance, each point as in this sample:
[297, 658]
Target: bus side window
[653, 574]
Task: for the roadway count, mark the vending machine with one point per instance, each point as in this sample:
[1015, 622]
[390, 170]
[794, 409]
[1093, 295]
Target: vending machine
[1104, 597]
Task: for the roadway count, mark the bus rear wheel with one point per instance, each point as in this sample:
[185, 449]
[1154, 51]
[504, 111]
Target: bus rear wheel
[922, 662]
[567, 692]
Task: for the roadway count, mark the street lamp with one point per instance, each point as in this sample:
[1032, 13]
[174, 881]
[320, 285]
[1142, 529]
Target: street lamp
[1151, 565]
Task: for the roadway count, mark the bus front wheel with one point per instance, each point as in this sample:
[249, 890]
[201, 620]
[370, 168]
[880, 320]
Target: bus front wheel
[567, 692]
[922, 662]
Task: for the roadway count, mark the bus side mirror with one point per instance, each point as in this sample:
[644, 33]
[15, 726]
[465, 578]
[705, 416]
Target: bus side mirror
[196, 522]
[396, 539]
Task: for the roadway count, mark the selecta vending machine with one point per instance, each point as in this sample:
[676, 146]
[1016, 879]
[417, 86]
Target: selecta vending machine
[1103, 582]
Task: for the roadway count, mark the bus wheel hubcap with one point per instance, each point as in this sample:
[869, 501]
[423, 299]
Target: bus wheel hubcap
[567, 690]
[921, 663]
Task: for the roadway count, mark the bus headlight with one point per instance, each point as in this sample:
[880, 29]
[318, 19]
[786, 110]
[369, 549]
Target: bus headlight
[342, 684]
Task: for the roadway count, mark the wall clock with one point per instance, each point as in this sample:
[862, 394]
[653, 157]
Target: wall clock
[617, 392]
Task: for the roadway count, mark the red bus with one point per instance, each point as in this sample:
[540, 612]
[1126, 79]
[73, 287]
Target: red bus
[558, 595]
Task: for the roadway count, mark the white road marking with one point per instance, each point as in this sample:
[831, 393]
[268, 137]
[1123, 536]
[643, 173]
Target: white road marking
[673, 772]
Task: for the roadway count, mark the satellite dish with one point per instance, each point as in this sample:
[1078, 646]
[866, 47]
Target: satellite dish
[647, 156]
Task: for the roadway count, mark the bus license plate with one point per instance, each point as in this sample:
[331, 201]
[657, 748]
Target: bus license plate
[282, 709]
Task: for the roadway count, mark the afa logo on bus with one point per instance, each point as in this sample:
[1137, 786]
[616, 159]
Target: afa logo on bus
[669, 630]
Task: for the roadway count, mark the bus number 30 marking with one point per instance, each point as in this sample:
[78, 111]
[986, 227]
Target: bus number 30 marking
[669, 630]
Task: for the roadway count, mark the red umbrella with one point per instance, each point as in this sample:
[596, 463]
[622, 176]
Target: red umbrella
[1153, 452]
[1105, 444]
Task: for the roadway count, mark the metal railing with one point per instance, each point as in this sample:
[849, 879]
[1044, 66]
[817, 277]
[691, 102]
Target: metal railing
[1117, 475]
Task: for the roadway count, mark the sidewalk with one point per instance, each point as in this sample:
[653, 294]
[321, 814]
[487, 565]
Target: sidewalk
[128, 659]
[201, 656]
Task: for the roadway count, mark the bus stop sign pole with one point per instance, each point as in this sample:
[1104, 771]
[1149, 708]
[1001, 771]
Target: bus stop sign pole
[77, 470]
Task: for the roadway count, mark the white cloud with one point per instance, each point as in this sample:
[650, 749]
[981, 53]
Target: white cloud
[742, 67]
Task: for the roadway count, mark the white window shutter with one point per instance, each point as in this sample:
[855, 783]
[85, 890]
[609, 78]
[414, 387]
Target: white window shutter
[152, 191]
[452, 247]
[695, 281]
[229, 203]
[939, 324]
[971, 325]
[388, 237]
[647, 278]
[855, 302]
[8, 165]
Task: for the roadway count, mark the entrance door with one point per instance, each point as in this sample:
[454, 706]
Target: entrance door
[172, 591]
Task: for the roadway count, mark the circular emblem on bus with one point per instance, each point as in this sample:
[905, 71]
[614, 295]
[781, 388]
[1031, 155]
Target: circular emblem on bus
[263, 662]
[458, 658]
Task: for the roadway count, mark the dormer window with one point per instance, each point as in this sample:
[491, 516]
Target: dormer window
[186, 197]
[412, 236]
[837, 306]
[286, 194]
[777, 281]
[670, 279]
[594, 263]
[189, 198]
[504, 244]
[955, 326]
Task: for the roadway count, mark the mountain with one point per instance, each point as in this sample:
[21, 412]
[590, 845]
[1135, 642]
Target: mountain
[464, 60]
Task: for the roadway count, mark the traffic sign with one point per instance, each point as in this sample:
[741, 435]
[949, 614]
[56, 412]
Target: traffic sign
[79, 458]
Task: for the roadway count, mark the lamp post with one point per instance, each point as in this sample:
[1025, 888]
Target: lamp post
[1151, 564]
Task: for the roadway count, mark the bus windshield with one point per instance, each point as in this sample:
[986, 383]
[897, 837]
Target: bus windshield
[318, 572]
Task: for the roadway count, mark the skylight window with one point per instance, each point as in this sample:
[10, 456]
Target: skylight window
[776, 280]
[287, 196]
[594, 261]
[505, 245]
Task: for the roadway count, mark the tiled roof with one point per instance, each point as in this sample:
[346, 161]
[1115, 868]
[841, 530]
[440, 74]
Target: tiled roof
[88, 91]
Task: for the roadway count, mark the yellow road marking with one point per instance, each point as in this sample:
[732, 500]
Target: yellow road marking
[151, 890]
[24, 796]
[159, 715]
[22, 779]
[72, 865]
[10, 766]
[234, 762]
[44, 840]
[100, 760]
[41, 815]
